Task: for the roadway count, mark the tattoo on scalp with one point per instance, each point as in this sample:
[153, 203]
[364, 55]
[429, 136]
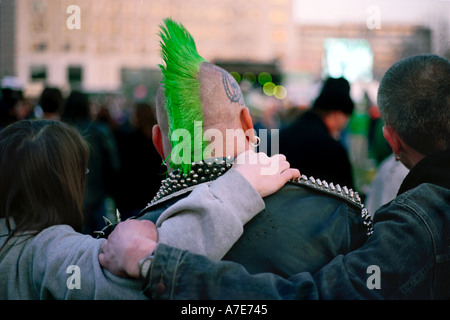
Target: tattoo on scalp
[232, 89]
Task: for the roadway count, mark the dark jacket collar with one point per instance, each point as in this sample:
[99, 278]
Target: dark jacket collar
[434, 169]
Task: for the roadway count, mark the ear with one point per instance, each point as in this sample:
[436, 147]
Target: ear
[157, 140]
[247, 123]
[393, 139]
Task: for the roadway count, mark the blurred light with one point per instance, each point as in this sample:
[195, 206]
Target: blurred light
[264, 77]
[348, 58]
[280, 92]
[236, 76]
[250, 76]
[140, 92]
[269, 88]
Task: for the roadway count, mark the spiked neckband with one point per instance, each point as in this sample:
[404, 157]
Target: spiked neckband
[201, 171]
[206, 171]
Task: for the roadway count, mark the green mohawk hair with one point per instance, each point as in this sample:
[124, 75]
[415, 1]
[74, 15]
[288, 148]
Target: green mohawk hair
[182, 90]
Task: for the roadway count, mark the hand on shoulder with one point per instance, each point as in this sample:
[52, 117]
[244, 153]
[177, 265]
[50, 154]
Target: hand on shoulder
[266, 174]
[131, 241]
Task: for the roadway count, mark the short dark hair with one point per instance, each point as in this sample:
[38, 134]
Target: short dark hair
[414, 99]
[51, 100]
[76, 107]
[42, 175]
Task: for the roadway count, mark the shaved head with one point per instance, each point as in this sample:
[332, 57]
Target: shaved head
[221, 99]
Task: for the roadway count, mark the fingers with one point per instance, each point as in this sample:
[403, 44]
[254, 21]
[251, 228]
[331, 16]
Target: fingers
[275, 165]
[104, 262]
[279, 157]
[290, 174]
[284, 168]
[101, 259]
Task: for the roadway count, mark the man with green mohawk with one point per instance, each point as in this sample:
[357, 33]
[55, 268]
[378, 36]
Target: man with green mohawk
[282, 238]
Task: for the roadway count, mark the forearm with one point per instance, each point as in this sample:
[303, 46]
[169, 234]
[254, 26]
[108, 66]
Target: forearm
[397, 274]
[211, 219]
[179, 275]
[66, 266]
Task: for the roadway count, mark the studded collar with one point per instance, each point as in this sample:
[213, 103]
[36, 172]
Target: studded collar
[177, 182]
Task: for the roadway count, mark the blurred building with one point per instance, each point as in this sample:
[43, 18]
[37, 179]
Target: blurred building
[116, 45]
[117, 42]
[7, 38]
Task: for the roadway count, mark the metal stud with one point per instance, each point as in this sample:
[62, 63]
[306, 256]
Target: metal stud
[107, 221]
[345, 190]
[118, 217]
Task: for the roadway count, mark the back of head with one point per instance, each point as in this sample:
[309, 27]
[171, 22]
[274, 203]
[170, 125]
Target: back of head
[414, 99]
[12, 90]
[335, 95]
[76, 107]
[51, 100]
[195, 95]
[42, 174]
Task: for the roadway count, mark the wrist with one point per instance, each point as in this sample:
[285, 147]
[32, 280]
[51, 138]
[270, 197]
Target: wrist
[144, 265]
[143, 250]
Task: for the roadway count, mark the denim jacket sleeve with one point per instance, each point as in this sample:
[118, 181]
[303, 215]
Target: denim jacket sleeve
[397, 262]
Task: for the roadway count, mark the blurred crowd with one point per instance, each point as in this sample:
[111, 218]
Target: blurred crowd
[125, 171]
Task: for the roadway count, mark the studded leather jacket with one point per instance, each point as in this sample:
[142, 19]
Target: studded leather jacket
[303, 226]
